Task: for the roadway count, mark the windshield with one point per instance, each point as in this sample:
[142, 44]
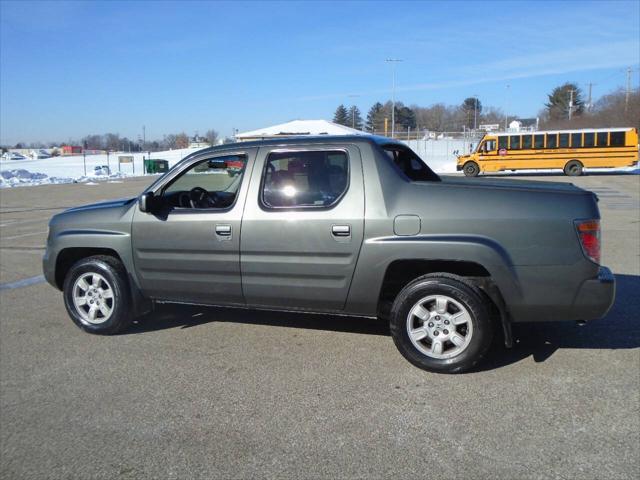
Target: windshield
[410, 164]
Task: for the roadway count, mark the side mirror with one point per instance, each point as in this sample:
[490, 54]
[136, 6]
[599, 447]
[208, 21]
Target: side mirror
[145, 202]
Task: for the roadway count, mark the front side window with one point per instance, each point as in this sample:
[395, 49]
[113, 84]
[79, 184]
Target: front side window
[305, 179]
[490, 146]
[211, 183]
[526, 142]
[502, 143]
[564, 140]
[514, 142]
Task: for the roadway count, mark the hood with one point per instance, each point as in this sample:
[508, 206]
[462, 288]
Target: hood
[102, 205]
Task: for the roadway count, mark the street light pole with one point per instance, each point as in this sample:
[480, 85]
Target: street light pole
[393, 62]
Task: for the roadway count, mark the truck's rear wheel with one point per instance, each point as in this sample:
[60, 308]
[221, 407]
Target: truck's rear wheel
[440, 323]
[573, 168]
[471, 169]
[96, 295]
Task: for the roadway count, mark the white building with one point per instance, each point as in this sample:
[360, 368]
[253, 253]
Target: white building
[298, 128]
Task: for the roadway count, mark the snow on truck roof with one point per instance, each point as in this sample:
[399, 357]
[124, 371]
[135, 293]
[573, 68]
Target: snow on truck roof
[298, 128]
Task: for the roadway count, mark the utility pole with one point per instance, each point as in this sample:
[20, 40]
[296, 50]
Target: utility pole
[144, 136]
[589, 102]
[393, 62]
[626, 97]
[506, 109]
[352, 111]
[570, 102]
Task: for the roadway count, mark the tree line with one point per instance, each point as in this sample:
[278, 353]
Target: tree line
[567, 108]
[437, 117]
[114, 142]
[614, 109]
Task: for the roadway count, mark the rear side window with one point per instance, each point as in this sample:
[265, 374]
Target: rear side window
[603, 138]
[305, 179]
[514, 140]
[616, 139]
[539, 141]
[576, 140]
[589, 139]
[564, 140]
[502, 143]
[410, 164]
[552, 140]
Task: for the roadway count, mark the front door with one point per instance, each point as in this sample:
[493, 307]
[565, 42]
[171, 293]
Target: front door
[302, 227]
[188, 249]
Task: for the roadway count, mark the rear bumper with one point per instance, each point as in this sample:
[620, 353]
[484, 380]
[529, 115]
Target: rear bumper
[596, 296]
[555, 294]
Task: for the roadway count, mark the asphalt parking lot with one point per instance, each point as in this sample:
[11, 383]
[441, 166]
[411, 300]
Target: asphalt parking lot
[220, 393]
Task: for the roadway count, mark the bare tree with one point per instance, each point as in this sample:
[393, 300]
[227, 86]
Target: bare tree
[211, 136]
[112, 141]
[182, 140]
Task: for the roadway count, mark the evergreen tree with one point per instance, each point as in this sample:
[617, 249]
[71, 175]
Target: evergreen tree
[405, 117]
[375, 118]
[559, 99]
[471, 107]
[355, 119]
[341, 117]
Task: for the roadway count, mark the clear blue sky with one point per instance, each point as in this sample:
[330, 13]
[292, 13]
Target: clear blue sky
[71, 69]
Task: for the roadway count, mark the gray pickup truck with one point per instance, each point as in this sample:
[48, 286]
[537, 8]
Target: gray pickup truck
[354, 225]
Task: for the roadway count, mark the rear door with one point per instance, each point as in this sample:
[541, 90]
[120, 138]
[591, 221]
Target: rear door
[302, 227]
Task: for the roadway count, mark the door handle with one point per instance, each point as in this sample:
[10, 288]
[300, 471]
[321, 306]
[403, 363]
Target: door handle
[341, 230]
[223, 230]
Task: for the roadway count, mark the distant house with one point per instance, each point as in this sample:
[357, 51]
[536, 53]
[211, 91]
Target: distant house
[299, 128]
[523, 125]
[198, 142]
[70, 150]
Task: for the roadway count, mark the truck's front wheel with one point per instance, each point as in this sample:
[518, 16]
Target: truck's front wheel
[96, 295]
[471, 169]
[440, 323]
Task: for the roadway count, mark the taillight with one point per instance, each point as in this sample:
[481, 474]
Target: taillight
[589, 235]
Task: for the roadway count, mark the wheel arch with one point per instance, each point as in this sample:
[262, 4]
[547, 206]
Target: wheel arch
[400, 260]
[68, 256]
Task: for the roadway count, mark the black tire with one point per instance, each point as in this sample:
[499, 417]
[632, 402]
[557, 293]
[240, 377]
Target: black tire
[573, 168]
[462, 292]
[471, 169]
[113, 272]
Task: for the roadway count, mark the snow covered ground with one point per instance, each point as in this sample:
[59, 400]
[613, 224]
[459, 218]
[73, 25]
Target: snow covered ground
[439, 155]
[72, 168]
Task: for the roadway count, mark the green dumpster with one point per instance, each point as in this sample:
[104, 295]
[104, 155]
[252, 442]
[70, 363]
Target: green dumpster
[156, 165]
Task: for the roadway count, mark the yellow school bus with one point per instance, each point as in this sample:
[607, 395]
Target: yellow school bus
[569, 150]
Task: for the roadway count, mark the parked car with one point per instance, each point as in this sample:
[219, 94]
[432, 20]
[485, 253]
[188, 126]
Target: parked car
[355, 225]
[13, 156]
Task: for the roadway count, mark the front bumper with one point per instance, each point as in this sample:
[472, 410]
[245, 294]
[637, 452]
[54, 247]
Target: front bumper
[596, 296]
[48, 267]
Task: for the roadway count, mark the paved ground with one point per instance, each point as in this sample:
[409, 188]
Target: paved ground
[221, 393]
